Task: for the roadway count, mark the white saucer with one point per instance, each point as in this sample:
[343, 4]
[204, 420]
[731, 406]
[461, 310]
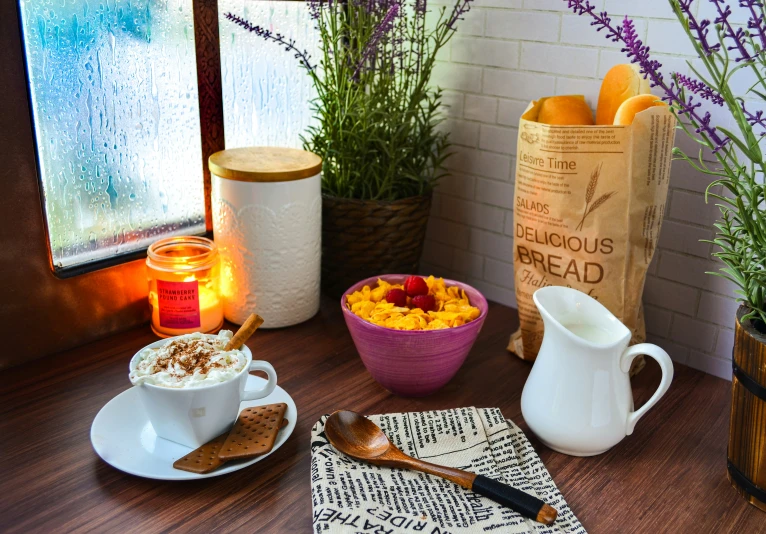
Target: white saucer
[123, 437]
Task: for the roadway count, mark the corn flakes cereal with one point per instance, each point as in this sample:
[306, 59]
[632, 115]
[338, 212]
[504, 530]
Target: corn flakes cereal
[452, 307]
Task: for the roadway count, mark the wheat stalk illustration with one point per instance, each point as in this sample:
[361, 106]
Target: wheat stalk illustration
[590, 192]
[594, 176]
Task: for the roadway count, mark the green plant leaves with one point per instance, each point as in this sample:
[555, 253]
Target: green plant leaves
[740, 241]
[376, 118]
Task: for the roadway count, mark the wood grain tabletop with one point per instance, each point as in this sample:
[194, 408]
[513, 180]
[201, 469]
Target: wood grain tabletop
[669, 476]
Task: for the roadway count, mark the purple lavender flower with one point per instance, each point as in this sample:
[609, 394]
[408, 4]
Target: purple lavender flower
[384, 28]
[739, 36]
[704, 125]
[387, 24]
[315, 8]
[639, 53]
[755, 119]
[289, 44]
[421, 8]
[650, 68]
[376, 7]
[602, 20]
[699, 28]
[756, 22]
[698, 88]
[458, 13]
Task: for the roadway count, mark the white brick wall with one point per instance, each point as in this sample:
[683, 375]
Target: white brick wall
[508, 52]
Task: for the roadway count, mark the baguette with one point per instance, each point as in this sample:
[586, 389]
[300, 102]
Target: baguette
[570, 110]
[632, 106]
[620, 83]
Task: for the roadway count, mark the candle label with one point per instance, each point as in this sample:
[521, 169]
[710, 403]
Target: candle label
[179, 304]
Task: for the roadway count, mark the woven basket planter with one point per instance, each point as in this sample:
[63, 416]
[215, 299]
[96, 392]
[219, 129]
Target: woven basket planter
[364, 238]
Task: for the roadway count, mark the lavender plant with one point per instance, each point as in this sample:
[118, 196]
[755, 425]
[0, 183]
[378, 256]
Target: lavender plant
[724, 49]
[377, 118]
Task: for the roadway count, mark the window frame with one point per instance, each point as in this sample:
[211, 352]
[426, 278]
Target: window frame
[43, 313]
[210, 95]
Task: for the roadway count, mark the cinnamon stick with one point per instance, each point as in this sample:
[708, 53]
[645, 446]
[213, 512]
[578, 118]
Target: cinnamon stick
[247, 329]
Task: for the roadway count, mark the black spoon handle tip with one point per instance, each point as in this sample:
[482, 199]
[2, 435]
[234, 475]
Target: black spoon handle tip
[523, 503]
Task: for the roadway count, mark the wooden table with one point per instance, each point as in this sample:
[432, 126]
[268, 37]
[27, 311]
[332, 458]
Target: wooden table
[669, 476]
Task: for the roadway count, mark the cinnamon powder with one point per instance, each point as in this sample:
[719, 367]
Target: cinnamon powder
[187, 356]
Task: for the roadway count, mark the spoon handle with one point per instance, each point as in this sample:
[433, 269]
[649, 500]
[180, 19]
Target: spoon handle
[523, 503]
[515, 499]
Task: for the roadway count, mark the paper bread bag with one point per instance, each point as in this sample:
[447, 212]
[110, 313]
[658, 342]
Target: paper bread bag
[588, 207]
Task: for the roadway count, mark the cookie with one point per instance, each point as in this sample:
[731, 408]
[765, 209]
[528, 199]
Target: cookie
[203, 459]
[254, 433]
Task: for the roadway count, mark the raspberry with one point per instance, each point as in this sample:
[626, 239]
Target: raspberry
[426, 303]
[415, 285]
[397, 297]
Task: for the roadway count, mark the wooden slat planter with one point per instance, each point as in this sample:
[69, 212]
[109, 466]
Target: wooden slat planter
[747, 431]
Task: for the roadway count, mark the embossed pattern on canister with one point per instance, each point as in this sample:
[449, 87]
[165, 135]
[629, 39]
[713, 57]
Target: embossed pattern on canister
[267, 221]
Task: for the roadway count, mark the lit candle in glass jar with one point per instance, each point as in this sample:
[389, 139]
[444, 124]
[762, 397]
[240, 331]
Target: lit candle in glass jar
[184, 286]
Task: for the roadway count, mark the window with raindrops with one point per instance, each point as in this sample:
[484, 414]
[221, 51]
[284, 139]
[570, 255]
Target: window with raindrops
[116, 111]
[114, 99]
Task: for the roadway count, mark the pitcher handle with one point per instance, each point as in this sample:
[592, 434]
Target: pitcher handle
[666, 364]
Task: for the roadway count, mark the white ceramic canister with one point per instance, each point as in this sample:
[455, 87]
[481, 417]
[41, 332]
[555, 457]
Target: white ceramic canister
[267, 223]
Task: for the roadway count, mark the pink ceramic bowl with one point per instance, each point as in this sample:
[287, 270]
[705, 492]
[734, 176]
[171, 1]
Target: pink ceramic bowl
[413, 363]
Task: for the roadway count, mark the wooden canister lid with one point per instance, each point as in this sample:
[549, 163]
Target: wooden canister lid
[265, 164]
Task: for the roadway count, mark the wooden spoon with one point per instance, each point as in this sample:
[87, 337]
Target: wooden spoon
[356, 436]
[247, 329]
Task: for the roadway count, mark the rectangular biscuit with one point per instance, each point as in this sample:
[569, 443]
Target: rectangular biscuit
[205, 459]
[254, 433]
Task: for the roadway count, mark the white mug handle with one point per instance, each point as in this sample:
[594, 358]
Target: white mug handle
[666, 364]
[270, 385]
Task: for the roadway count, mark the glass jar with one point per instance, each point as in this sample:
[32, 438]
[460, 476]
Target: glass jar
[184, 286]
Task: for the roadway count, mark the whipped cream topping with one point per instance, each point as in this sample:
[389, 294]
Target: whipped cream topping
[189, 361]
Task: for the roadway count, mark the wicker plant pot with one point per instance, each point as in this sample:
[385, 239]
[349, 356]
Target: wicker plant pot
[364, 238]
[747, 430]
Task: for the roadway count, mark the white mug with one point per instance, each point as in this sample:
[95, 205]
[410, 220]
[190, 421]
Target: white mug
[577, 398]
[194, 416]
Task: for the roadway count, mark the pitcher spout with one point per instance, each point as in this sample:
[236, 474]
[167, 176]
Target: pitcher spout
[581, 319]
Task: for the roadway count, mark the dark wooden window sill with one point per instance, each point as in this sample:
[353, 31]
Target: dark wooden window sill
[669, 476]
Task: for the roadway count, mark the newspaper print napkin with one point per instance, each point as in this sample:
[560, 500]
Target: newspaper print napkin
[354, 497]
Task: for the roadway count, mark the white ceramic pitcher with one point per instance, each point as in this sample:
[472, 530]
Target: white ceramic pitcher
[577, 398]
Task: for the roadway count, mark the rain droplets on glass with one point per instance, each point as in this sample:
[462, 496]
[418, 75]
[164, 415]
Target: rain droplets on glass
[115, 105]
[266, 99]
